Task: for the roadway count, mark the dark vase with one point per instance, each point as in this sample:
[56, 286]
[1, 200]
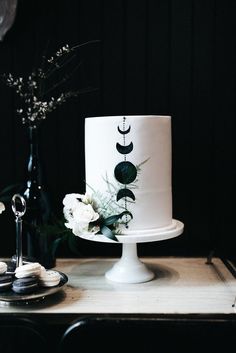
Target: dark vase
[38, 244]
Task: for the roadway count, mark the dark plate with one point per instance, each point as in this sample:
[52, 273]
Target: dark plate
[12, 297]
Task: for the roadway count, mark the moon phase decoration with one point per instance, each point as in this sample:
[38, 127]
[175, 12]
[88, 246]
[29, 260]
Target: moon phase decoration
[125, 172]
[124, 132]
[125, 193]
[124, 149]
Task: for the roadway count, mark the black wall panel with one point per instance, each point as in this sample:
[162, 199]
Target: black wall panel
[174, 57]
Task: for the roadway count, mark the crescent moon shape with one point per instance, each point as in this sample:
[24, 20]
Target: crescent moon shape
[123, 132]
[124, 149]
[125, 193]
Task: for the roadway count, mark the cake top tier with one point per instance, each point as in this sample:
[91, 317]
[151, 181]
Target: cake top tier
[130, 117]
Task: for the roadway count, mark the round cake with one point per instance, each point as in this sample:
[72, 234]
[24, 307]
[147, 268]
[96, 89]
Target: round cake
[128, 171]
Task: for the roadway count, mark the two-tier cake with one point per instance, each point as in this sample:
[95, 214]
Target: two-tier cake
[128, 172]
[128, 195]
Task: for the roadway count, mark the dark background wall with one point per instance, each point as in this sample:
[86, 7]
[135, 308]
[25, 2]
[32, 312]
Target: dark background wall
[174, 57]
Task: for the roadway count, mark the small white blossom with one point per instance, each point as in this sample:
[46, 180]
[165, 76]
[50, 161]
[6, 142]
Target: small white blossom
[51, 59]
[2, 207]
[35, 101]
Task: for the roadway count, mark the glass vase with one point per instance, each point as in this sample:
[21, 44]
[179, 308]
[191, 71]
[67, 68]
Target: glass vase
[38, 245]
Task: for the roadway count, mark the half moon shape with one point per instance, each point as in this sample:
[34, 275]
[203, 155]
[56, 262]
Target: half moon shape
[124, 149]
[123, 132]
[125, 193]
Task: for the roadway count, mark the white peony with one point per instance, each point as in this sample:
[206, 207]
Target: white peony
[2, 207]
[71, 200]
[79, 214]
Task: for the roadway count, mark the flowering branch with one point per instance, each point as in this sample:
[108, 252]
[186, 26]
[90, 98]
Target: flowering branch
[2, 207]
[32, 89]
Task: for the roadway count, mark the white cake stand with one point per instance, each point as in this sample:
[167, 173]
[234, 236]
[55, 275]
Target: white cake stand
[129, 268]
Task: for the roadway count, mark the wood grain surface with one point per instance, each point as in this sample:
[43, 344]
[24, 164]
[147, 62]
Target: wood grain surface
[181, 286]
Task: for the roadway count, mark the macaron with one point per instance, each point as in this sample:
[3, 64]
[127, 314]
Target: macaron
[3, 267]
[25, 285]
[5, 282]
[49, 278]
[27, 270]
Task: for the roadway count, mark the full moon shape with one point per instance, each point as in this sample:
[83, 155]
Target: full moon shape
[125, 172]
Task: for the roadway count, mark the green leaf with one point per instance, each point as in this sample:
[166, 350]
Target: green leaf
[108, 233]
[113, 219]
[110, 220]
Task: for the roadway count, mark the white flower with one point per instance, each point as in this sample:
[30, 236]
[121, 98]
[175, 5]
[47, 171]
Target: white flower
[2, 207]
[85, 213]
[79, 214]
[71, 200]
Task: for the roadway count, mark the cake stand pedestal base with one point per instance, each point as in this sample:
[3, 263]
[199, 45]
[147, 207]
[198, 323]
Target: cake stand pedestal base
[129, 269]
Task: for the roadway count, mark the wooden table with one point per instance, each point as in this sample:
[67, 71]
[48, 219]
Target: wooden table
[181, 286]
[187, 299]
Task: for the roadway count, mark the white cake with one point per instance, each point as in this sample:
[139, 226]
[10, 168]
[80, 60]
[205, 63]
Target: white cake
[120, 145]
